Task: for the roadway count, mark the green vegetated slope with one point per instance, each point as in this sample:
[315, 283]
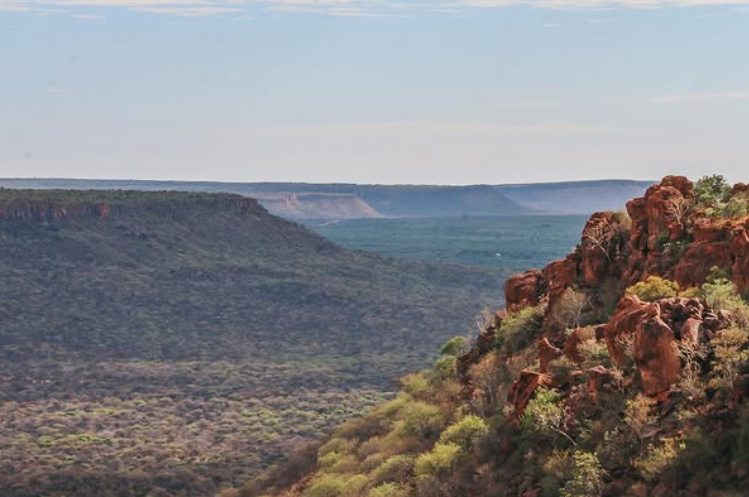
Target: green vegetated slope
[619, 371]
[168, 344]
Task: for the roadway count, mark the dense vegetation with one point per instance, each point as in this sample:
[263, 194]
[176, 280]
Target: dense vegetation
[170, 343]
[512, 415]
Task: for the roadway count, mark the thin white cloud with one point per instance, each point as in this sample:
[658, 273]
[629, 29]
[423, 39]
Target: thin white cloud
[431, 129]
[349, 8]
[180, 11]
[690, 98]
[89, 17]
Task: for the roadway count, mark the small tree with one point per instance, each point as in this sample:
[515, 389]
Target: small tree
[711, 189]
[690, 384]
[487, 376]
[544, 416]
[569, 311]
[677, 208]
[598, 236]
[587, 477]
[730, 353]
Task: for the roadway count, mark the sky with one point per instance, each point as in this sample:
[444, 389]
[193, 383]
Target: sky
[374, 91]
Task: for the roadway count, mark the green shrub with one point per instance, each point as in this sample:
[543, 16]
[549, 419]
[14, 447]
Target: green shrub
[373, 462]
[520, 329]
[453, 346]
[439, 462]
[417, 385]
[395, 469]
[638, 416]
[421, 420]
[594, 353]
[734, 208]
[445, 368]
[587, 477]
[388, 490]
[654, 288]
[659, 457]
[335, 445]
[730, 352]
[465, 432]
[329, 460]
[711, 189]
[720, 293]
[544, 416]
[326, 486]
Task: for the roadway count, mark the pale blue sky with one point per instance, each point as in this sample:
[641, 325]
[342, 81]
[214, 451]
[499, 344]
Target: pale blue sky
[462, 91]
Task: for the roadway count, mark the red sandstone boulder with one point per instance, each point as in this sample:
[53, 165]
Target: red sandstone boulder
[656, 353]
[577, 338]
[523, 388]
[560, 275]
[546, 354]
[698, 261]
[523, 290]
[690, 331]
[659, 212]
[707, 231]
[600, 378]
[622, 326]
[600, 245]
[740, 251]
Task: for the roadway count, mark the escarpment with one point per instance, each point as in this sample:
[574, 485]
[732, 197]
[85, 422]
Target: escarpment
[50, 206]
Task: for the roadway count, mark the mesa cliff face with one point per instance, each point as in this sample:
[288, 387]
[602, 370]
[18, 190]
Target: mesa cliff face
[48, 207]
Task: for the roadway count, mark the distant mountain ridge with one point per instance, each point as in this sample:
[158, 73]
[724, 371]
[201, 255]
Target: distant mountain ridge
[352, 201]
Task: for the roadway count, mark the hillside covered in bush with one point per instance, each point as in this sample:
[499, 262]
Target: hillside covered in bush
[621, 370]
[168, 344]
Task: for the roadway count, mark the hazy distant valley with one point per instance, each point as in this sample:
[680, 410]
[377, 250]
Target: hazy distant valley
[349, 201]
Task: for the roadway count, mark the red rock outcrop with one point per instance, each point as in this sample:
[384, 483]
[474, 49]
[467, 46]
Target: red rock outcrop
[546, 354]
[560, 275]
[577, 338]
[600, 378]
[740, 251]
[697, 263]
[523, 388]
[622, 326]
[613, 256]
[602, 242]
[655, 353]
[654, 216]
[691, 331]
[523, 290]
